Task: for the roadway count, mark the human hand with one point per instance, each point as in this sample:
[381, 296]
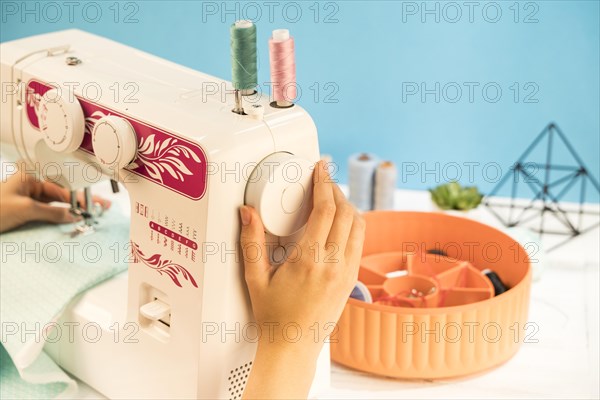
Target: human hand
[24, 198]
[309, 290]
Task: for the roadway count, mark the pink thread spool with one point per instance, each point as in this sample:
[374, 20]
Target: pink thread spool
[283, 68]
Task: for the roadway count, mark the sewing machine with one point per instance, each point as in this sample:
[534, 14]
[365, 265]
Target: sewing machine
[81, 110]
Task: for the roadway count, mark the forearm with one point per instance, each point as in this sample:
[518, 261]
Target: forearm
[305, 290]
[282, 371]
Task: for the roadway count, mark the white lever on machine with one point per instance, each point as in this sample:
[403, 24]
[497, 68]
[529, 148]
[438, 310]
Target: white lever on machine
[155, 310]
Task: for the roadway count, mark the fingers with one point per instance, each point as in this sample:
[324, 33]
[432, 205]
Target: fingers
[353, 251]
[344, 217]
[26, 184]
[52, 192]
[105, 203]
[95, 199]
[254, 250]
[48, 192]
[323, 212]
[45, 212]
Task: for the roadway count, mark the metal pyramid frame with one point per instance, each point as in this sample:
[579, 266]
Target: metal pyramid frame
[546, 203]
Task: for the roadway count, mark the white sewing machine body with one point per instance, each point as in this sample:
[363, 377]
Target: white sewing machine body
[193, 158]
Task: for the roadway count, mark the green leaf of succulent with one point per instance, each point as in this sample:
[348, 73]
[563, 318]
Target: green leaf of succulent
[451, 196]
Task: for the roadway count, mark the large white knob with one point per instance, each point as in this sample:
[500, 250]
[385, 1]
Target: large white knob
[114, 142]
[61, 120]
[280, 189]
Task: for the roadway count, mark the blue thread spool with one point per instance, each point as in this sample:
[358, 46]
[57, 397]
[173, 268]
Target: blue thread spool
[361, 292]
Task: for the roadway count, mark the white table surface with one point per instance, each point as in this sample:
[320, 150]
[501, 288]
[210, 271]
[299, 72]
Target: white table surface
[562, 364]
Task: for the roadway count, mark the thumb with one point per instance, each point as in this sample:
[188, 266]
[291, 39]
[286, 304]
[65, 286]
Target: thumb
[254, 249]
[45, 212]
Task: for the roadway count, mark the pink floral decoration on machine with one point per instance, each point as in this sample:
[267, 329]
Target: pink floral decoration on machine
[162, 157]
[162, 266]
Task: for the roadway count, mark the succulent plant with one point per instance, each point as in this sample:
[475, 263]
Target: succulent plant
[452, 196]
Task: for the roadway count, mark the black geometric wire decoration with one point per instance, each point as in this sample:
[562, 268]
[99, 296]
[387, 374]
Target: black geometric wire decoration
[546, 201]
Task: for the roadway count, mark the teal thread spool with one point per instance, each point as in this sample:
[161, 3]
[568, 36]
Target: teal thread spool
[244, 67]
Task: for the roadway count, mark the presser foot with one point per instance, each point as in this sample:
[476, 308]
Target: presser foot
[88, 225]
[83, 230]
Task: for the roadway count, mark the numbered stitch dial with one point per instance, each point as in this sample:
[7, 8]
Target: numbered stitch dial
[114, 142]
[61, 120]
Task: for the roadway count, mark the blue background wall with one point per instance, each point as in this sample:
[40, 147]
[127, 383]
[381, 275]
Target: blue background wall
[372, 53]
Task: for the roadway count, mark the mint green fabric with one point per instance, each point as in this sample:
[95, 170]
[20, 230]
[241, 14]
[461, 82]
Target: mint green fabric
[43, 269]
[13, 387]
